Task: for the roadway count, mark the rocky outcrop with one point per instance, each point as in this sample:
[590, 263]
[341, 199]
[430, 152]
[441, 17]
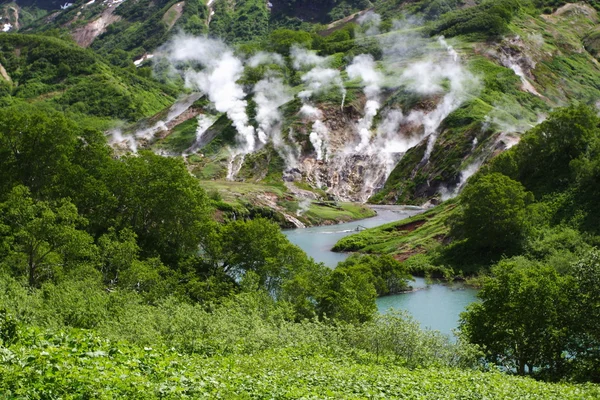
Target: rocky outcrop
[85, 35]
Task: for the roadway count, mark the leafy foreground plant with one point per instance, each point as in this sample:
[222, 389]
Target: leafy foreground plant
[243, 348]
[78, 364]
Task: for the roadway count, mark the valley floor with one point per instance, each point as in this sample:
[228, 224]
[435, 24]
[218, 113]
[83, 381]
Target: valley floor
[292, 206]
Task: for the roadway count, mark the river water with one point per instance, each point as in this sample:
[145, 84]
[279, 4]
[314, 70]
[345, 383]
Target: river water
[435, 306]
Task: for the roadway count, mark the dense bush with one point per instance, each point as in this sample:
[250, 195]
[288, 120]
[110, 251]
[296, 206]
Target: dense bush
[533, 320]
[68, 77]
[387, 275]
[246, 21]
[244, 345]
[492, 212]
[490, 18]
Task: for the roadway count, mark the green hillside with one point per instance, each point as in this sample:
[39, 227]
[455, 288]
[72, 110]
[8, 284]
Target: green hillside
[58, 74]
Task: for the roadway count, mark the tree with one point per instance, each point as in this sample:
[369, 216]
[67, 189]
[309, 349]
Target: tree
[492, 213]
[349, 295]
[282, 40]
[387, 275]
[258, 246]
[158, 199]
[118, 251]
[35, 148]
[43, 238]
[584, 344]
[521, 321]
[549, 155]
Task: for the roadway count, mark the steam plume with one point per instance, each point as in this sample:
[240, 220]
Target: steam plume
[364, 67]
[319, 137]
[269, 95]
[218, 80]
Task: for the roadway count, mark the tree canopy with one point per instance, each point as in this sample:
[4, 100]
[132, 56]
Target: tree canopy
[492, 213]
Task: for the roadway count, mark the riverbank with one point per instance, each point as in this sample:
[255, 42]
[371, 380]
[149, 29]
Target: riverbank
[290, 205]
[434, 304]
[318, 241]
[402, 239]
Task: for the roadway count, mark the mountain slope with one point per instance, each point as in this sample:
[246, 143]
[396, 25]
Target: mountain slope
[408, 136]
[540, 63]
[57, 73]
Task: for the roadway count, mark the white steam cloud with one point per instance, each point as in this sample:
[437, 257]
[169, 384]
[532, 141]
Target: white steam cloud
[130, 141]
[364, 67]
[270, 94]
[319, 77]
[438, 74]
[319, 136]
[354, 157]
[204, 124]
[429, 78]
[264, 58]
[371, 21]
[218, 80]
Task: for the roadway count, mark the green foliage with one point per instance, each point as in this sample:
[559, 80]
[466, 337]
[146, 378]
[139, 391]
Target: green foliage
[256, 246]
[237, 350]
[547, 153]
[181, 138]
[67, 77]
[44, 239]
[293, 13]
[490, 18]
[240, 21]
[35, 147]
[387, 275]
[492, 214]
[9, 330]
[521, 320]
[148, 24]
[103, 97]
[160, 201]
[349, 295]
[532, 320]
[556, 161]
[282, 40]
[585, 343]
[408, 236]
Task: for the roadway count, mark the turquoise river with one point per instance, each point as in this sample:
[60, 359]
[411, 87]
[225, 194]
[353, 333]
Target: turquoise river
[435, 306]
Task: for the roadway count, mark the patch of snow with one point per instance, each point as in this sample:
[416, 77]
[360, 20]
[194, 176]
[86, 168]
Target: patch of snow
[65, 6]
[89, 3]
[7, 27]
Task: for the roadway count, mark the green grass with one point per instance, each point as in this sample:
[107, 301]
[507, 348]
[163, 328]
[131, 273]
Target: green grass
[306, 186]
[323, 213]
[248, 198]
[78, 364]
[181, 138]
[232, 190]
[407, 237]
